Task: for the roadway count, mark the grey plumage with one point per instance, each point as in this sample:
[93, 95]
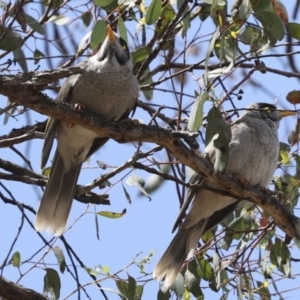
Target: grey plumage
[253, 155]
[109, 89]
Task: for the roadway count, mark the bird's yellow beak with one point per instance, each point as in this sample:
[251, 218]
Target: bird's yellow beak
[110, 34]
[286, 113]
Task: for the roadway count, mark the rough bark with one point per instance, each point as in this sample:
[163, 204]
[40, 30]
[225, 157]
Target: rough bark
[11, 291]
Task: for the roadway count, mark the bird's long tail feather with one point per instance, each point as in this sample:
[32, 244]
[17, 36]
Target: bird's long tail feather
[56, 202]
[183, 243]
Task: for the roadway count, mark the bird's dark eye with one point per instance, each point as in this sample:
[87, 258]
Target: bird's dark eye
[123, 44]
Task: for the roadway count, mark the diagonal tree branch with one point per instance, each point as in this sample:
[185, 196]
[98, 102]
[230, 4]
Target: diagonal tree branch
[27, 93]
[12, 291]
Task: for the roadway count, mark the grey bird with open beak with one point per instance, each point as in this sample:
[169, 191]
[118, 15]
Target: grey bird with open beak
[253, 155]
[107, 88]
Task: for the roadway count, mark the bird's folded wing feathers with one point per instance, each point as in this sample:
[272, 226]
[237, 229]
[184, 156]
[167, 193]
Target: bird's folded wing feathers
[50, 134]
[196, 180]
[65, 93]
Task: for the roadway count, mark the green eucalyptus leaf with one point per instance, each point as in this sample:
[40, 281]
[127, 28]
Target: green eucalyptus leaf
[153, 12]
[128, 3]
[294, 30]
[11, 40]
[139, 183]
[149, 92]
[250, 35]
[138, 292]
[167, 14]
[240, 11]
[289, 186]
[224, 279]
[128, 289]
[218, 135]
[237, 224]
[196, 116]
[186, 24]
[190, 279]
[16, 259]
[271, 24]
[126, 195]
[122, 29]
[98, 34]
[140, 54]
[154, 181]
[214, 284]
[92, 271]
[52, 284]
[280, 256]
[209, 51]
[264, 242]
[163, 295]
[10, 111]
[178, 286]
[59, 254]
[191, 283]
[108, 5]
[55, 3]
[205, 10]
[103, 3]
[263, 291]
[86, 18]
[261, 5]
[209, 234]
[37, 55]
[83, 43]
[59, 20]
[205, 270]
[34, 24]
[296, 157]
[101, 164]
[112, 215]
[21, 59]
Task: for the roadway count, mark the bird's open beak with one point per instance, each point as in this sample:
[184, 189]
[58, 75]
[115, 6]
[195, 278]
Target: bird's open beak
[110, 34]
[286, 113]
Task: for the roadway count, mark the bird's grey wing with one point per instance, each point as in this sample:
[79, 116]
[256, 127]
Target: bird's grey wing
[219, 215]
[97, 144]
[207, 210]
[50, 134]
[173, 258]
[66, 91]
[195, 180]
[132, 109]
[64, 95]
[56, 202]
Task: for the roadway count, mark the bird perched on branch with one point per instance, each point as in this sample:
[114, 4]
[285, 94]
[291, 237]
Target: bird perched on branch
[253, 155]
[107, 88]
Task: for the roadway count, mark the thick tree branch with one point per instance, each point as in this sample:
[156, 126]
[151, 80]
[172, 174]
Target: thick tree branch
[17, 132]
[24, 175]
[20, 139]
[26, 93]
[12, 291]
